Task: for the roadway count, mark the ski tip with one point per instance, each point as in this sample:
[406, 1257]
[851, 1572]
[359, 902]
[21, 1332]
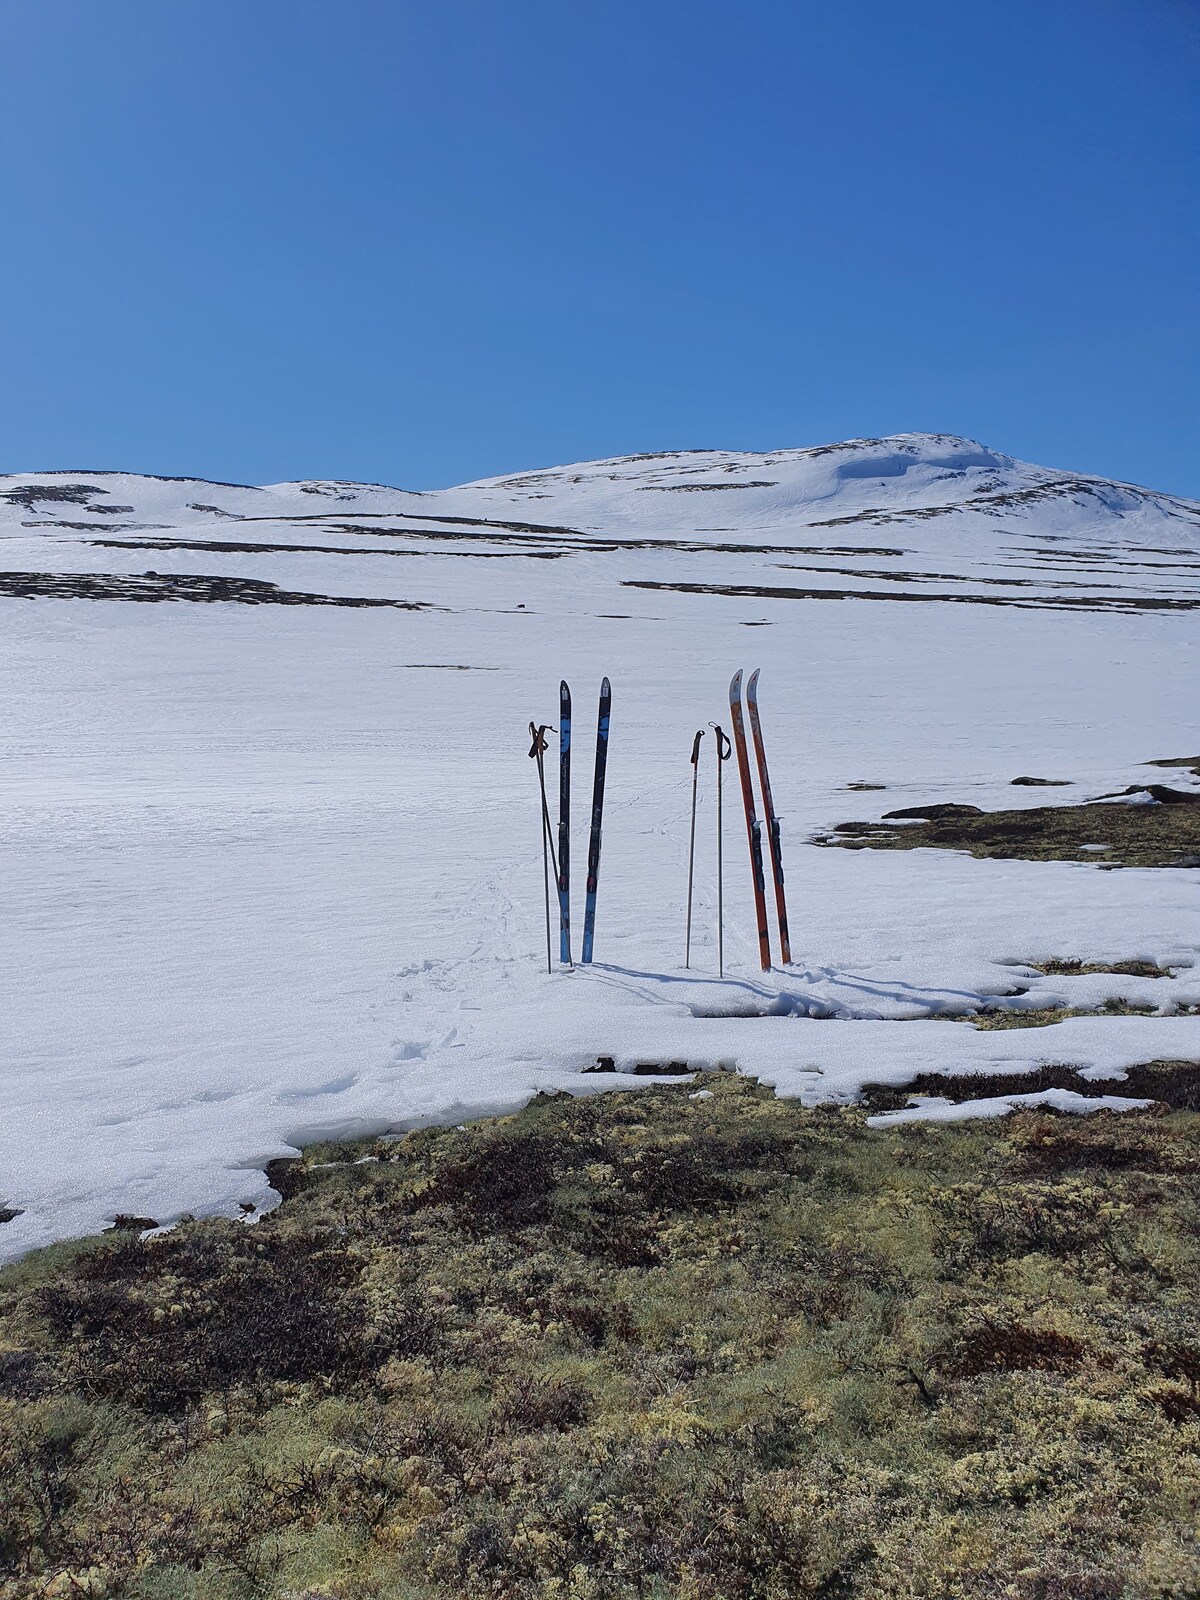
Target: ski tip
[735, 684]
[606, 688]
[564, 690]
[752, 683]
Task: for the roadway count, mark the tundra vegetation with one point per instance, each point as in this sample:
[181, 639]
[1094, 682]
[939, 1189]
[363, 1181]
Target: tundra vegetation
[1162, 832]
[665, 1344]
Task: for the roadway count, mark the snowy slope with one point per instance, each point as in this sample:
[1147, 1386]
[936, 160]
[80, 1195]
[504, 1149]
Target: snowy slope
[271, 840]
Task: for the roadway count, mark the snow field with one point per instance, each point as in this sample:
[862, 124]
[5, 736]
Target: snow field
[274, 873]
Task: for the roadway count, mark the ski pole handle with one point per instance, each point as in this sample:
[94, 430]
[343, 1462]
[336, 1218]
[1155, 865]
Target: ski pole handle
[695, 758]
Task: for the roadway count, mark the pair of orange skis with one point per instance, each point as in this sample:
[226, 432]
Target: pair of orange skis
[754, 828]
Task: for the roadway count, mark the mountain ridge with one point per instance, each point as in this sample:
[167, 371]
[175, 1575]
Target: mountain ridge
[946, 497]
[887, 449]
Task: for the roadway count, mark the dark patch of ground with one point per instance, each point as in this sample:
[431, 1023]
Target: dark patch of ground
[1128, 603]
[570, 540]
[156, 586]
[361, 518]
[1190, 762]
[880, 515]
[88, 527]
[72, 494]
[1068, 967]
[223, 546]
[1174, 1083]
[1135, 835]
[934, 812]
[696, 488]
[1163, 793]
[992, 1017]
[942, 577]
[1166, 796]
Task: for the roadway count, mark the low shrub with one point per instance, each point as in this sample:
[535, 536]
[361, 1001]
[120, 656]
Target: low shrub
[631, 1347]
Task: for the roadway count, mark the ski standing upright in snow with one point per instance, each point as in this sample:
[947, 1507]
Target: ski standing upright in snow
[564, 822]
[593, 865]
[769, 817]
[753, 826]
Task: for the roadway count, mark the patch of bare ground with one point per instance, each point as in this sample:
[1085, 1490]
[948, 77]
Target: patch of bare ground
[697, 488]
[1175, 1084]
[571, 540]
[1145, 835]
[1068, 967]
[148, 587]
[249, 547]
[1128, 603]
[70, 494]
[992, 1017]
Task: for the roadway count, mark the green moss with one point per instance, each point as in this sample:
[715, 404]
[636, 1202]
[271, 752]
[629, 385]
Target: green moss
[631, 1347]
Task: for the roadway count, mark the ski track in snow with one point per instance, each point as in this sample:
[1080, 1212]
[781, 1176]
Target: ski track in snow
[273, 872]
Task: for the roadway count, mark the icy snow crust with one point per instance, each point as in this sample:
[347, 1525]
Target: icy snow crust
[272, 872]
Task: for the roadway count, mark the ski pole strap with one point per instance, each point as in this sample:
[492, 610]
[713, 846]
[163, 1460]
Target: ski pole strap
[724, 745]
[696, 746]
[537, 736]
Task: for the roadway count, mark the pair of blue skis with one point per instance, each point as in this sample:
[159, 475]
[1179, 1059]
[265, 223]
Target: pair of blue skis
[564, 821]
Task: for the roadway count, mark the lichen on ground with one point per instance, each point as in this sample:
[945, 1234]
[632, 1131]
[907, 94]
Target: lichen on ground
[640, 1344]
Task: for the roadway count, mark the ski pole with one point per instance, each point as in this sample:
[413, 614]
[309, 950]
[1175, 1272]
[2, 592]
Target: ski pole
[724, 751]
[537, 751]
[687, 959]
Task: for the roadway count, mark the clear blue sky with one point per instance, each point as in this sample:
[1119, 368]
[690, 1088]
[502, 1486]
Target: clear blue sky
[417, 243]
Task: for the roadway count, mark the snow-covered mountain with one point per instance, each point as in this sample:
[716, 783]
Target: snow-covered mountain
[984, 521]
[272, 847]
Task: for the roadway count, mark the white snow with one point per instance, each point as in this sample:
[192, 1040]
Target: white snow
[935, 1108]
[273, 873]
